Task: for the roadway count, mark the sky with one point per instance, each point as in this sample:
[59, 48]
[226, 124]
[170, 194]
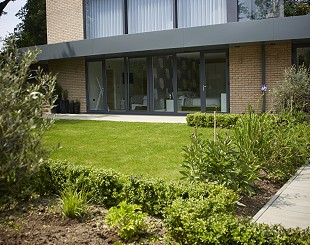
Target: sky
[9, 21]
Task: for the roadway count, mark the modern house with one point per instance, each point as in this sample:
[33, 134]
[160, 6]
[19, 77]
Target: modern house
[172, 56]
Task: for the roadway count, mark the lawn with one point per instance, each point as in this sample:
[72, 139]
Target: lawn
[149, 149]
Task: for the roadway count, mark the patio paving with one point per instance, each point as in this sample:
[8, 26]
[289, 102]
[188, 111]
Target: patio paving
[121, 118]
[290, 206]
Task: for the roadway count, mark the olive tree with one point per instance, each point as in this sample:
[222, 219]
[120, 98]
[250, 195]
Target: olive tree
[24, 95]
[293, 94]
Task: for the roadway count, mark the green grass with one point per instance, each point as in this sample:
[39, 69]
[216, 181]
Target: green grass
[148, 149]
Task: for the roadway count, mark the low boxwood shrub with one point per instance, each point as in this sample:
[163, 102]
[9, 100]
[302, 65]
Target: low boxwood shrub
[105, 186]
[194, 221]
[155, 194]
[109, 188]
[206, 120]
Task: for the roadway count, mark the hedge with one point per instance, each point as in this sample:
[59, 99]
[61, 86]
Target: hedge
[193, 213]
[193, 221]
[109, 188]
[206, 120]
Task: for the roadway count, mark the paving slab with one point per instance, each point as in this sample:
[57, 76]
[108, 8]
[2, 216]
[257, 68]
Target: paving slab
[121, 118]
[290, 206]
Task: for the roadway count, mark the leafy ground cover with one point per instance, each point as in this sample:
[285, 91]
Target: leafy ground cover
[149, 149]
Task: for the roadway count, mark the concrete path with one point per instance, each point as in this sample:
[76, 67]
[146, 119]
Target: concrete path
[121, 118]
[290, 207]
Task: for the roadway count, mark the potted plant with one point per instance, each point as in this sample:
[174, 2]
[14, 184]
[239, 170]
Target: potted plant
[64, 103]
[77, 106]
[57, 93]
[71, 106]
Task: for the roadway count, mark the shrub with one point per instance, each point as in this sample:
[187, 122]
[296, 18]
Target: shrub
[55, 176]
[73, 203]
[110, 188]
[288, 150]
[219, 162]
[23, 95]
[128, 219]
[194, 221]
[154, 194]
[206, 120]
[294, 92]
[278, 144]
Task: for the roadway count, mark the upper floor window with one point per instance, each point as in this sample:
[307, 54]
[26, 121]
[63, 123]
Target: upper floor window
[146, 15]
[104, 18]
[260, 9]
[201, 12]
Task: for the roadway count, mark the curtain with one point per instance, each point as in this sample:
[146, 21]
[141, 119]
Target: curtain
[104, 18]
[201, 12]
[146, 15]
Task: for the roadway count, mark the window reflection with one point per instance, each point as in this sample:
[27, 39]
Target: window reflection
[188, 82]
[259, 9]
[137, 80]
[163, 83]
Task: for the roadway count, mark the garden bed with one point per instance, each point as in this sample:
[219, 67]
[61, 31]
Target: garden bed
[40, 221]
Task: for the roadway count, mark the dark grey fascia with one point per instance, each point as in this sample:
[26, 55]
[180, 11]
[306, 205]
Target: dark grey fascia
[268, 30]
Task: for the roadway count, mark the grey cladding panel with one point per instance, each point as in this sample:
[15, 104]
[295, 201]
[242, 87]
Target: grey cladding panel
[138, 42]
[252, 31]
[207, 35]
[290, 28]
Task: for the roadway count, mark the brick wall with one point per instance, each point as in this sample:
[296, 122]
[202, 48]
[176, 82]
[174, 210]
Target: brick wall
[245, 68]
[278, 58]
[64, 20]
[246, 74]
[71, 76]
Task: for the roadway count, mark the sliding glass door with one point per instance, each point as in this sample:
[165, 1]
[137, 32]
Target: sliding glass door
[115, 82]
[172, 83]
[163, 83]
[137, 84]
[188, 82]
[95, 86]
[215, 85]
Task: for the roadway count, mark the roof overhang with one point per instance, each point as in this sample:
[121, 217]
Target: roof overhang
[221, 35]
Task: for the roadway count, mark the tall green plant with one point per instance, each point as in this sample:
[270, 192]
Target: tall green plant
[233, 161]
[220, 162]
[24, 95]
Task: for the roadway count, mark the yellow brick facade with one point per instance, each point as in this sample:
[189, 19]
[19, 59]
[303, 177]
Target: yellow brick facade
[64, 20]
[245, 69]
[71, 76]
[278, 58]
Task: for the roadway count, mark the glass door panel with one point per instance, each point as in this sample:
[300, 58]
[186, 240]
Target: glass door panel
[188, 82]
[137, 80]
[215, 87]
[163, 83]
[115, 84]
[95, 86]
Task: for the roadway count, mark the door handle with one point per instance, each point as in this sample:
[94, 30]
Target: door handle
[204, 87]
